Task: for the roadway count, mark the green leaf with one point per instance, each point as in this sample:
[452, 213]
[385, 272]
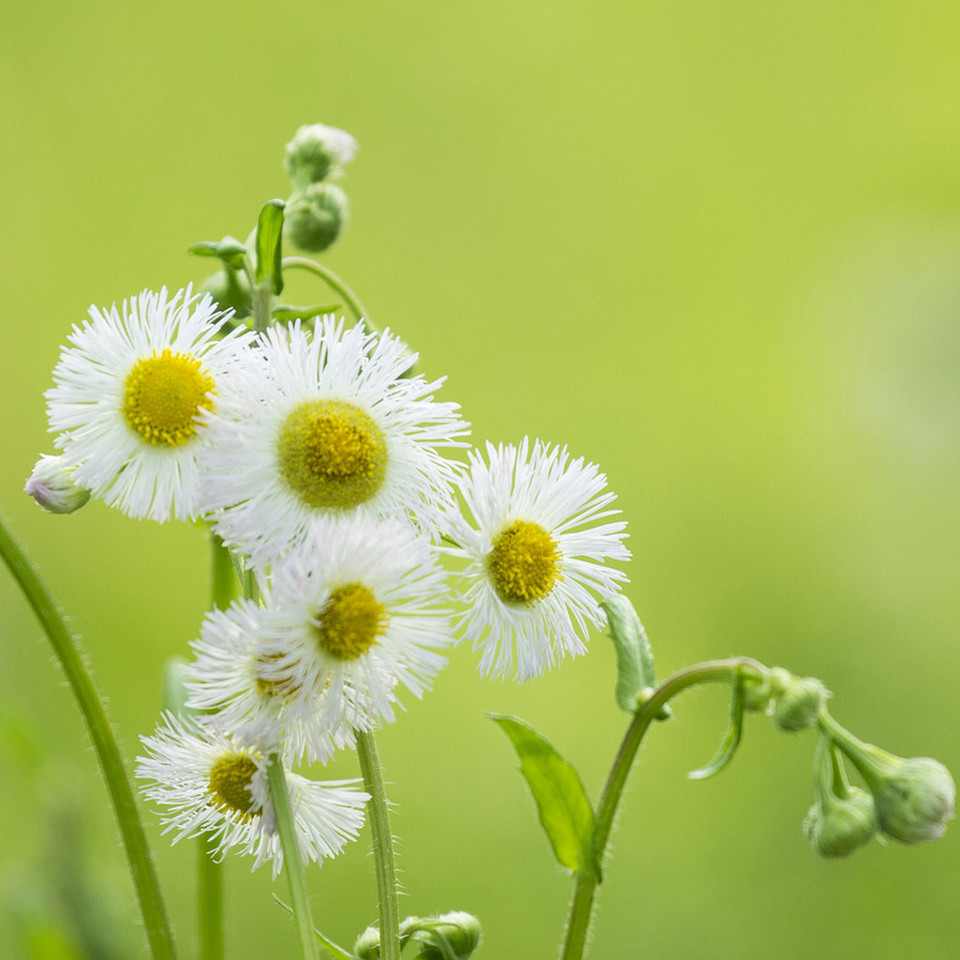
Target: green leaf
[562, 805]
[286, 312]
[269, 243]
[230, 250]
[731, 740]
[635, 673]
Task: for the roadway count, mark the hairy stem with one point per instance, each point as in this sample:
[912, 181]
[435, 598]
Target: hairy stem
[159, 934]
[712, 671]
[382, 846]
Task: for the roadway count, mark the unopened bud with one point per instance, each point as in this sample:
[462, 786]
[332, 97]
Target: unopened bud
[451, 936]
[51, 485]
[230, 290]
[314, 218]
[799, 705]
[367, 946]
[840, 826]
[317, 152]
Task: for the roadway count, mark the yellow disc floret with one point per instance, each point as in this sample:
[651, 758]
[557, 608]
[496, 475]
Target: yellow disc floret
[229, 786]
[163, 395]
[331, 454]
[524, 564]
[350, 622]
[273, 686]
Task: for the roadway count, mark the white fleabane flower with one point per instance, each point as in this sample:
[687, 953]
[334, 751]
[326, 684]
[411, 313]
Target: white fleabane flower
[129, 396]
[230, 681]
[536, 550]
[353, 616]
[209, 785]
[322, 424]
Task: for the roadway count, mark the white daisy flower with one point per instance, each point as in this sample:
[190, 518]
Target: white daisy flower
[325, 424]
[535, 551]
[354, 616]
[129, 395]
[212, 786]
[229, 680]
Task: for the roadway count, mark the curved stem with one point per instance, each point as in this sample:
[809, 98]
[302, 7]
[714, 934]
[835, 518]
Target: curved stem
[159, 934]
[382, 846]
[292, 861]
[712, 671]
[335, 284]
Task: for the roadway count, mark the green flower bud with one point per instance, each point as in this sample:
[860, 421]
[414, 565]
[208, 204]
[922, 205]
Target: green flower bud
[317, 152]
[367, 946]
[914, 797]
[231, 291]
[842, 826]
[51, 485]
[799, 705]
[315, 217]
[451, 936]
[843, 817]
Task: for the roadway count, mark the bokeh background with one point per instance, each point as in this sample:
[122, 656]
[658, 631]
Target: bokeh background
[713, 246]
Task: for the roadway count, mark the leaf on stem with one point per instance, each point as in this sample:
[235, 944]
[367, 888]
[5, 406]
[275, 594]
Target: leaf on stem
[731, 740]
[269, 244]
[635, 674]
[230, 250]
[562, 805]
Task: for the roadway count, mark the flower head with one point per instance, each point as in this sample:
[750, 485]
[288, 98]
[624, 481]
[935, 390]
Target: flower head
[535, 549]
[129, 399]
[326, 424]
[210, 785]
[349, 617]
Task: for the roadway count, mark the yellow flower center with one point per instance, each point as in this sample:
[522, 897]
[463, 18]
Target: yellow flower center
[332, 454]
[350, 622]
[524, 563]
[229, 786]
[163, 395]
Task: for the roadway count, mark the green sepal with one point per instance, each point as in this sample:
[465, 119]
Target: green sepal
[285, 312]
[269, 246]
[230, 250]
[731, 739]
[636, 677]
[562, 805]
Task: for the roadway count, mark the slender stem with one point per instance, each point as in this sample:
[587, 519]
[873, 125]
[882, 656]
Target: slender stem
[382, 846]
[712, 671]
[292, 861]
[209, 900]
[335, 283]
[224, 586]
[159, 934]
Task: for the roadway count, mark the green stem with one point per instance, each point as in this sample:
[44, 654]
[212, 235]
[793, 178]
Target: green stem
[712, 671]
[335, 284]
[224, 586]
[292, 861]
[382, 846]
[209, 900]
[105, 743]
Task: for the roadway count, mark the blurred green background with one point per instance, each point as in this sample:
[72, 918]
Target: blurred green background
[713, 246]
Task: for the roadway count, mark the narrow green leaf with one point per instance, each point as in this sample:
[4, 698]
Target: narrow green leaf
[230, 250]
[635, 674]
[562, 805]
[731, 740]
[286, 312]
[269, 245]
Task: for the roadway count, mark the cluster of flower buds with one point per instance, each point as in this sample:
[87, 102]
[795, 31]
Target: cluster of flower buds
[907, 800]
[451, 936]
[317, 209]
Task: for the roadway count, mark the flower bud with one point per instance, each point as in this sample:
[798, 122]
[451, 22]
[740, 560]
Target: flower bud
[799, 705]
[838, 827]
[230, 289]
[51, 485]
[367, 946]
[314, 218]
[317, 152]
[451, 936]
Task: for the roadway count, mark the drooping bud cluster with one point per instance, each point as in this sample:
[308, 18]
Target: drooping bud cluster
[794, 703]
